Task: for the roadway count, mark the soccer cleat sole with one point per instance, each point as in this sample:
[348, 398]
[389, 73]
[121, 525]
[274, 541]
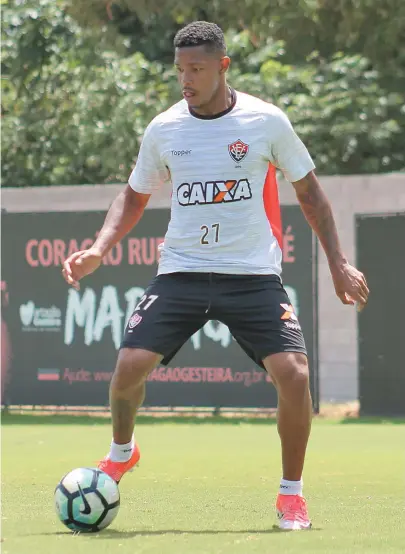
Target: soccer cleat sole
[292, 525]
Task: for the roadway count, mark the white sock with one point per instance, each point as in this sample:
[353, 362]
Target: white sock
[291, 487]
[121, 452]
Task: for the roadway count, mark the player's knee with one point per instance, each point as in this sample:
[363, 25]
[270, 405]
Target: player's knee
[133, 367]
[290, 371]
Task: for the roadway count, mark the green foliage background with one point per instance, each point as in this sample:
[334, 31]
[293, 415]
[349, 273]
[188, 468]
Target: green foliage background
[82, 79]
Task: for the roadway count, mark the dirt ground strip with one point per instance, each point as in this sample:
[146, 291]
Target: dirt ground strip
[331, 411]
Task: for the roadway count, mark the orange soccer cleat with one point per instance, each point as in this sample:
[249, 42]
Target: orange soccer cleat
[292, 512]
[117, 469]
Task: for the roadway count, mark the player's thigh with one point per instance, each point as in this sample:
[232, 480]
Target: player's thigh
[260, 316]
[172, 309]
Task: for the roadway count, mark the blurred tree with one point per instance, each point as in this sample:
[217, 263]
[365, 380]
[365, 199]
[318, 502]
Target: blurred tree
[373, 28]
[82, 80]
[338, 108]
[149, 26]
[72, 111]
[371, 32]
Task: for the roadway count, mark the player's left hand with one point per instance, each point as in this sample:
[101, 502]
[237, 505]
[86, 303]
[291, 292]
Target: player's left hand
[350, 285]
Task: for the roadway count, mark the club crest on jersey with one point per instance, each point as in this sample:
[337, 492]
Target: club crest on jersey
[214, 192]
[238, 150]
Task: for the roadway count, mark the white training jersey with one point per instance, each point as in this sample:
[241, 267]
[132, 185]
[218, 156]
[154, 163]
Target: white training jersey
[225, 216]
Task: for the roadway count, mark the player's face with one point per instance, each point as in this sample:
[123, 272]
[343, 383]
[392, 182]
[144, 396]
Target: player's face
[200, 74]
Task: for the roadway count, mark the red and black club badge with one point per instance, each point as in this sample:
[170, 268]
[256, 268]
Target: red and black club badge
[238, 150]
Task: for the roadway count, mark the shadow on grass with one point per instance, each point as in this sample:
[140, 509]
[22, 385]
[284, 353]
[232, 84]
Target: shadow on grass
[114, 534]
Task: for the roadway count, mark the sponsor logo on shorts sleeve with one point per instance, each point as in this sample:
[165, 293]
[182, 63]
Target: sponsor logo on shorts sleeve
[289, 317]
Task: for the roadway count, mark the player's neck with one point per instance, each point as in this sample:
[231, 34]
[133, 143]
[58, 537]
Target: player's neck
[223, 101]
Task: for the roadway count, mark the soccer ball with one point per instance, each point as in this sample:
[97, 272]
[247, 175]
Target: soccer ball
[87, 500]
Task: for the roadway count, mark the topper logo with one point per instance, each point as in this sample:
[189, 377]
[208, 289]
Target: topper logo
[180, 152]
[213, 192]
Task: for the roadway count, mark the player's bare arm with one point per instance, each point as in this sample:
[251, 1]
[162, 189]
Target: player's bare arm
[124, 213]
[350, 284]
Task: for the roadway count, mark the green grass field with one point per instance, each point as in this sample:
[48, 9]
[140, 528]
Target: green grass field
[207, 487]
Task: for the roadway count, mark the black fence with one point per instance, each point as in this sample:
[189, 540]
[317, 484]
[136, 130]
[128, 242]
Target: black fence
[381, 255]
[59, 346]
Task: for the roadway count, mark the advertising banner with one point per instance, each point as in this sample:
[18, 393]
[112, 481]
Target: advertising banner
[59, 346]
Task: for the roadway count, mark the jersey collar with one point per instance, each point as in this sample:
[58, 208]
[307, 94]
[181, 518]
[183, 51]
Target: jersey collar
[220, 114]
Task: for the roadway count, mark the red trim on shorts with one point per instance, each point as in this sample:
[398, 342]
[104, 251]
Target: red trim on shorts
[272, 204]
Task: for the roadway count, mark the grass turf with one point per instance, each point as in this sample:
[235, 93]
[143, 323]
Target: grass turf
[207, 488]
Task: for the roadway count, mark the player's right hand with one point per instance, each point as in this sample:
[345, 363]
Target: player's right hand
[80, 264]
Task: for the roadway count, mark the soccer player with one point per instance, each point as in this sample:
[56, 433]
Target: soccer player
[221, 257]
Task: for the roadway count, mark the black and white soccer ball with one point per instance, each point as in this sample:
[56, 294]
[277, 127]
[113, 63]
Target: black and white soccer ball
[87, 500]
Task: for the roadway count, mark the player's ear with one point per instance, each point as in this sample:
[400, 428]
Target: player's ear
[225, 63]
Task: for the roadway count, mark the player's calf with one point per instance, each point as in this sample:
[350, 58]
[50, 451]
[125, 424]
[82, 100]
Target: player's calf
[290, 374]
[127, 392]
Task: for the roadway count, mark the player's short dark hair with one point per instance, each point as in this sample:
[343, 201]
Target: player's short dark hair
[201, 33]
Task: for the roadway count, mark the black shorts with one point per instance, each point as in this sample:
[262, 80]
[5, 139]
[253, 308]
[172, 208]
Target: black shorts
[256, 308]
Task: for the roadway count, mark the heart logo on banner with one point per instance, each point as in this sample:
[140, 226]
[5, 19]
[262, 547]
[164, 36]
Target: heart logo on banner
[27, 313]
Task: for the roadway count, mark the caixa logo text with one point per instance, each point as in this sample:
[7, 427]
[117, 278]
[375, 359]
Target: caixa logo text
[213, 192]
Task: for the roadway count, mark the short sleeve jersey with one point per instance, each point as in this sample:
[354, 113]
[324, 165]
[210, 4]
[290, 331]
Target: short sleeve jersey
[225, 215]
